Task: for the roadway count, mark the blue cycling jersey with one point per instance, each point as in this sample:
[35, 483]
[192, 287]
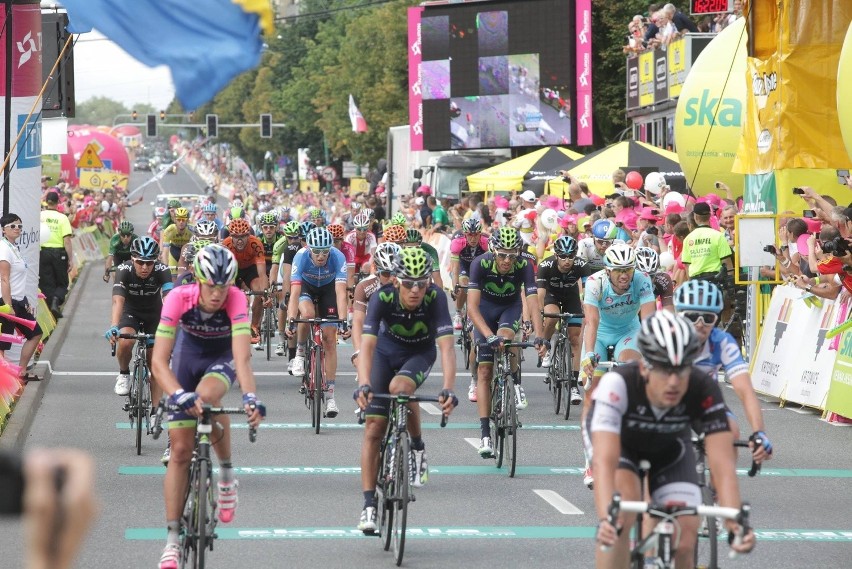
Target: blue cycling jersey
[721, 351]
[618, 312]
[304, 269]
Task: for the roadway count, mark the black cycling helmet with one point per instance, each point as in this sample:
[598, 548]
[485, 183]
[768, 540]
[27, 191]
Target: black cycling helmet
[144, 249]
[565, 246]
[668, 340]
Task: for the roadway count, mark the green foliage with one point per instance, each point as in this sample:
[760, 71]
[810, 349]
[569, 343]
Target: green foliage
[100, 111]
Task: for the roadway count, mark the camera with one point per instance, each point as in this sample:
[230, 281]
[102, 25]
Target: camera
[837, 246]
[798, 191]
[652, 230]
[771, 249]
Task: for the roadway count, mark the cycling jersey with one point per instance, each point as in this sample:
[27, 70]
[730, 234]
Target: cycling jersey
[721, 351]
[363, 291]
[418, 328]
[176, 238]
[363, 249]
[269, 247]
[465, 254]
[304, 269]
[501, 289]
[618, 312]
[663, 287]
[348, 252]
[119, 251]
[587, 252]
[562, 286]
[142, 296]
[251, 254]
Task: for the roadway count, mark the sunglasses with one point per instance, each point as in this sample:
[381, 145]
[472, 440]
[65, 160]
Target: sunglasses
[507, 256]
[269, 226]
[603, 242]
[120, 234]
[672, 370]
[144, 263]
[245, 236]
[385, 274]
[622, 270]
[15, 226]
[360, 229]
[564, 257]
[708, 318]
[411, 283]
[320, 252]
[293, 237]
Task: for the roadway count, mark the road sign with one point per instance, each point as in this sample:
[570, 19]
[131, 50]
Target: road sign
[89, 158]
[329, 174]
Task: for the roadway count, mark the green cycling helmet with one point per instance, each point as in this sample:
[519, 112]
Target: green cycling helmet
[413, 263]
[268, 218]
[291, 229]
[505, 238]
[413, 236]
[397, 219]
[173, 204]
[125, 228]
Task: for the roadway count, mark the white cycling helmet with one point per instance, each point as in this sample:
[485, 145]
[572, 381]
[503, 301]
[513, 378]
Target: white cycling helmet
[647, 260]
[386, 255]
[667, 339]
[620, 256]
[361, 221]
[205, 228]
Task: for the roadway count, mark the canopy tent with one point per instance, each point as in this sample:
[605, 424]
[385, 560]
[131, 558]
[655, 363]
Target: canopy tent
[596, 169]
[508, 176]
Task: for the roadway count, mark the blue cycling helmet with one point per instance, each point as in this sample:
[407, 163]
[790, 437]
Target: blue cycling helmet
[565, 246]
[699, 295]
[210, 208]
[604, 229]
[305, 228]
[320, 238]
[144, 249]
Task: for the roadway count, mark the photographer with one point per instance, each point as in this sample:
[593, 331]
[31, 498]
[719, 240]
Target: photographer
[827, 256]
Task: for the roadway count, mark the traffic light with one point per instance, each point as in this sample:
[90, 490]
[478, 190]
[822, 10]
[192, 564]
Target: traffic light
[162, 115]
[151, 123]
[134, 115]
[212, 126]
[191, 115]
[265, 126]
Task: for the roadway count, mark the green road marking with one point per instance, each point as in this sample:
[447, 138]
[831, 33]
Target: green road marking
[471, 470]
[424, 425]
[531, 532]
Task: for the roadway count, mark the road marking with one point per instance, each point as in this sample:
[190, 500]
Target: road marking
[283, 374]
[430, 408]
[802, 410]
[346, 426]
[486, 532]
[562, 505]
[474, 442]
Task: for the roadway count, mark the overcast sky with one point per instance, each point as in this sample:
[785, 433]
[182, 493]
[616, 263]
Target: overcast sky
[101, 68]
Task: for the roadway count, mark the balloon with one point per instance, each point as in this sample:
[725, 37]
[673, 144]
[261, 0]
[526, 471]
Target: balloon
[633, 180]
[674, 197]
[654, 182]
[549, 218]
[667, 260]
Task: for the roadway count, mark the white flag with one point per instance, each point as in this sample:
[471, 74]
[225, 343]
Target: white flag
[355, 116]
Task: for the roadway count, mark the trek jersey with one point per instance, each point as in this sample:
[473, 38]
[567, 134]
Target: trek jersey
[304, 269]
[465, 254]
[721, 351]
[120, 252]
[618, 312]
[203, 332]
[142, 295]
[620, 405]
[563, 286]
[418, 328]
[251, 254]
[501, 289]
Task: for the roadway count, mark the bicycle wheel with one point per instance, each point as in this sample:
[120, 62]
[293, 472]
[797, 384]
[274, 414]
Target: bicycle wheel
[707, 545]
[554, 373]
[143, 406]
[202, 497]
[511, 426]
[316, 382]
[269, 333]
[496, 419]
[384, 491]
[567, 372]
[401, 485]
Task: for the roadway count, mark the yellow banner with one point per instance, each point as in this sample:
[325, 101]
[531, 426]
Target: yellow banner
[309, 185]
[676, 61]
[646, 78]
[102, 179]
[265, 187]
[358, 185]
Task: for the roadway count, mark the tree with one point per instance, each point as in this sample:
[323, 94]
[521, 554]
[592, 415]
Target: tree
[100, 111]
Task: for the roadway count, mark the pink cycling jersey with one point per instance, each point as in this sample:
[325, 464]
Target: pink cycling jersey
[205, 332]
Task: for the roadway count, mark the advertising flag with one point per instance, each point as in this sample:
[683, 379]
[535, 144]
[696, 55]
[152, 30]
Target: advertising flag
[355, 116]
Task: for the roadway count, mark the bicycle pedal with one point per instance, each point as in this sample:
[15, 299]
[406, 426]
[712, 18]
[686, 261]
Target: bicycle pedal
[126, 407]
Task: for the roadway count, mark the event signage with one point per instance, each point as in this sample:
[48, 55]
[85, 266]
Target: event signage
[659, 74]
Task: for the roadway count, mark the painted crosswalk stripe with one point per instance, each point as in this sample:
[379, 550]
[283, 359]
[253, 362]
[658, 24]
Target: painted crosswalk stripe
[472, 441]
[277, 373]
[562, 505]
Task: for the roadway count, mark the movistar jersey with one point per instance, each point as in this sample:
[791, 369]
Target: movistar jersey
[497, 288]
[618, 312]
[721, 351]
[418, 328]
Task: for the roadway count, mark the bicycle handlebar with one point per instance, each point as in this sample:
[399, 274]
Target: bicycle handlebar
[403, 398]
[564, 315]
[317, 321]
[755, 467]
[138, 336]
[208, 410]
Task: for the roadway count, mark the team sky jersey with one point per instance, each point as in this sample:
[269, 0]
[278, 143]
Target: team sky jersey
[363, 249]
[721, 351]
[201, 331]
[618, 312]
[348, 252]
[561, 285]
[465, 254]
[251, 254]
[363, 291]
[286, 250]
[269, 246]
[142, 295]
[418, 328]
[620, 405]
[304, 269]
[119, 251]
[663, 287]
[497, 288]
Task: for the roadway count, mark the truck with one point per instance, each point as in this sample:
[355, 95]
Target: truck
[445, 172]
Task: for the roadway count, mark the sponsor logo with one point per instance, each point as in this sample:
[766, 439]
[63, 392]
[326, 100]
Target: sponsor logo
[713, 111]
[405, 332]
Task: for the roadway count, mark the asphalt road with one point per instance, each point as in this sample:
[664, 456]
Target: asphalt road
[300, 493]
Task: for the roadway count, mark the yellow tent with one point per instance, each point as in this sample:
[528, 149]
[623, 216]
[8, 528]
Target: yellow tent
[509, 176]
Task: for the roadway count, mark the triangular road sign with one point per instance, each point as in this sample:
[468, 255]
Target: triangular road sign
[90, 158]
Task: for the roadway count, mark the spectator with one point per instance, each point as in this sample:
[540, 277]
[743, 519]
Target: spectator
[651, 28]
[705, 250]
[829, 268]
[524, 221]
[575, 194]
[425, 212]
[681, 21]
[440, 219]
[726, 222]
[680, 232]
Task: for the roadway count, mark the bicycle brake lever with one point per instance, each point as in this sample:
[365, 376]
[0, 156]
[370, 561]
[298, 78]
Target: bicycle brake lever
[444, 419]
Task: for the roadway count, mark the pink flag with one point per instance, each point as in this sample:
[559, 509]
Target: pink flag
[355, 116]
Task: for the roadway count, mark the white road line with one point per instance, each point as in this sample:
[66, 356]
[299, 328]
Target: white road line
[430, 408]
[562, 505]
[473, 442]
[273, 373]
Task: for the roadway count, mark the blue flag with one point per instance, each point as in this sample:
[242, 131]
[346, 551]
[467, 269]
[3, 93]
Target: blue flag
[205, 43]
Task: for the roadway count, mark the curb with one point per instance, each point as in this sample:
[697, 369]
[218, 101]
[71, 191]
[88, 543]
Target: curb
[18, 428]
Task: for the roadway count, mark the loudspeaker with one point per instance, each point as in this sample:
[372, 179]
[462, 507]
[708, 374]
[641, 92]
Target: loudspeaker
[58, 97]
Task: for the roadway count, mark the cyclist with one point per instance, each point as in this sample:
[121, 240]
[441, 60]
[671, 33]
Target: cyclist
[701, 302]
[612, 299]
[318, 276]
[463, 250]
[235, 212]
[210, 213]
[137, 297]
[413, 238]
[197, 367]
[406, 324]
[559, 291]
[494, 307]
[643, 411]
[282, 260]
[251, 268]
[190, 250]
[316, 216]
[119, 248]
[386, 255]
[337, 233]
[269, 236]
[364, 242]
[173, 238]
[592, 249]
[168, 218]
[648, 261]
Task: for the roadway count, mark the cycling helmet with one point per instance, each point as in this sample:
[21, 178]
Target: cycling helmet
[413, 263]
[315, 213]
[239, 227]
[216, 265]
[647, 260]
[181, 213]
[237, 212]
[160, 211]
[471, 226]
[125, 228]
[237, 203]
[205, 228]
[395, 234]
[565, 245]
[668, 339]
[620, 256]
[269, 218]
[385, 256]
[397, 219]
[319, 238]
[210, 208]
[306, 227]
[337, 231]
[413, 236]
[144, 249]
[173, 204]
[361, 221]
[291, 229]
[699, 295]
[604, 229]
[505, 238]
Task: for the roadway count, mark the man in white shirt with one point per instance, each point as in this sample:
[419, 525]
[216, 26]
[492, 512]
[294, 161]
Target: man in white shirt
[524, 221]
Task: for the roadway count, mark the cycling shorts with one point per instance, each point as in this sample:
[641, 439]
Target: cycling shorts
[571, 305]
[326, 297]
[497, 317]
[140, 321]
[247, 276]
[191, 367]
[390, 361]
[673, 477]
[622, 340]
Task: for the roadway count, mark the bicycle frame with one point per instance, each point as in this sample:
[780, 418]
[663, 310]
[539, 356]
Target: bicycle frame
[314, 379]
[139, 400]
[504, 415]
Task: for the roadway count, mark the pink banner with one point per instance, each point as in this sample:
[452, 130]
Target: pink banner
[584, 73]
[415, 96]
[26, 55]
